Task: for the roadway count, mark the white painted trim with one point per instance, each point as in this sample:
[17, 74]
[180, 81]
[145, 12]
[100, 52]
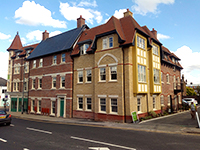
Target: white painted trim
[113, 96]
[107, 54]
[103, 96]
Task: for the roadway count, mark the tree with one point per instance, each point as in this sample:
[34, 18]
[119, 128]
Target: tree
[190, 91]
[198, 90]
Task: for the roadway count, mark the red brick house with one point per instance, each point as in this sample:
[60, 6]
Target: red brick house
[50, 76]
[18, 74]
[171, 80]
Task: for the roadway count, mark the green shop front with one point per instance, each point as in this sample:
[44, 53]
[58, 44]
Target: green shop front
[16, 104]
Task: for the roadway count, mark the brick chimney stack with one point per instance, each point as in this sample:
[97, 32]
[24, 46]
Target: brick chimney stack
[154, 32]
[45, 35]
[80, 22]
[128, 13]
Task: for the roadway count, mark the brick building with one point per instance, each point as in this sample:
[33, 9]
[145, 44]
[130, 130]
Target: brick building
[116, 71]
[51, 74]
[171, 96]
[18, 73]
[100, 73]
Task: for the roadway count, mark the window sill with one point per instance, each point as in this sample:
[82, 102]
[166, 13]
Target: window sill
[113, 113]
[168, 83]
[88, 110]
[102, 112]
[80, 83]
[62, 88]
[53, 88]
[53, 64]
[63, 63]
[88, 82]
[102, 81]
[39, 89]
[142, 82]
[38, 113]
[112, 81]
[33, 89]
[79, 109]
[139, 112]
[40, 66]
[52, 115]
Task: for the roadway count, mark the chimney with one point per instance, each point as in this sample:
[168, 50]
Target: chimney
[45, 35]
[128, 13]
[154, 32]
[80, 22]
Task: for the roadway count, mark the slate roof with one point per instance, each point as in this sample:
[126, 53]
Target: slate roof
[16, 43]
[58, 43]
[3, 82]
[169, 55]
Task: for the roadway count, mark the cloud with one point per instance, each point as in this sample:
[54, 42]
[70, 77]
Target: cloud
[4, 67]
[4, 36]
[119, 13]
[37, 35]
[162, 37]
[74, 12]
[190, 63]
[34, 14]
[88, 4]
[144, 6]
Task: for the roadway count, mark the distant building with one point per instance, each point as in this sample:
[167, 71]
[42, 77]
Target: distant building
[3, 92]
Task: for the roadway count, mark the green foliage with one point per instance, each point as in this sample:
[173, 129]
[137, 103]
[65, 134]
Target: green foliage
[190, 91]
[153, 114]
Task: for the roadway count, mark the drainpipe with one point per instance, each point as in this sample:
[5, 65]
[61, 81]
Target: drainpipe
[124, 88]
[22, 107]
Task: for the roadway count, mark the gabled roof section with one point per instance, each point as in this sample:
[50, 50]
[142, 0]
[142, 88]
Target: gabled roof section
[168, 59]
[16, 43]
[58, 43]
[25, 48]
[152, 36]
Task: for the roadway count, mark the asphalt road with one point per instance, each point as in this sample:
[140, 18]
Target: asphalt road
[31, 135]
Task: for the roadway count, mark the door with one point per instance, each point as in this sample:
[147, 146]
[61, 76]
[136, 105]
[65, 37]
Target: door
[20, 105]
[14, 104]
[61, 107]
[25, 104]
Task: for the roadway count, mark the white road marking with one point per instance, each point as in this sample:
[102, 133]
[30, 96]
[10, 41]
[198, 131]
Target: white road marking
[12, 125]
[38, 130]
[3, 140]
[99, 148]
[92, 141]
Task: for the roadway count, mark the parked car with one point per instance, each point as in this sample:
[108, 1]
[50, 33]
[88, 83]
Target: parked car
[189, 100]
[5, 118]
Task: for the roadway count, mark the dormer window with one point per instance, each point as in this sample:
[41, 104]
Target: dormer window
[140, 42]
[17, 55]
[107, 42]
[173, 60]
[84, 48]
[28, 52]
[166, 57]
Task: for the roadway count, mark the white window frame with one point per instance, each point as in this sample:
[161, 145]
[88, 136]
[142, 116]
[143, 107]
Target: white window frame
[41, 62]
[102, 104]
[102, 72]
[112, 105]
[15, 70]
[53, 80]
[140, 42]
[154, 102]
[39, 83]
[113, 71]
[88, 103]
[80, 76]
[14, 86]
[32, 105]
[39, 106]
[54, 59]
[34, 63]
[155, 50]
[33, 84]
[138, 104]
[141, 73]
[80, 103]
[61, 81]
[83, 49]
[53, 108]
[156, 74]
[107, 42]
[167, 78]
[162, 100]
[63, 58]
[89, 75]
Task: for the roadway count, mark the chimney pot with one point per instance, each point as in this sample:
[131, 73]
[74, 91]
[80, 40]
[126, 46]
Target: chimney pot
[128, 13]
[45, 35]
[80, 21]
[154, 32]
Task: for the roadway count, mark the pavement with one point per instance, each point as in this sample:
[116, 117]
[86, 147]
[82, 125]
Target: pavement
[178, 123]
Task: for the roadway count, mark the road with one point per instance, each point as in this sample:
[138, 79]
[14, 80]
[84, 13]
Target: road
[31, 135]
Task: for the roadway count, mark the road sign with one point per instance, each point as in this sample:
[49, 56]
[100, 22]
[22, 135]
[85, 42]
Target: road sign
[134, 116]
[6, 96]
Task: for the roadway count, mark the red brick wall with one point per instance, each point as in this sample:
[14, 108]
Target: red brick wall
[46, 72]
[168, 89]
